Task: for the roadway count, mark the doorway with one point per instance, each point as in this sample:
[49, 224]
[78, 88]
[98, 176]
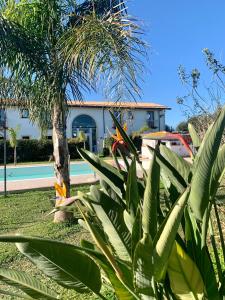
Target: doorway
[86, 124]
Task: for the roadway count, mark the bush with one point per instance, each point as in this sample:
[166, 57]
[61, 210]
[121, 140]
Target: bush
[105, 152]
[36, 150]
[108, 142]
[137, 140]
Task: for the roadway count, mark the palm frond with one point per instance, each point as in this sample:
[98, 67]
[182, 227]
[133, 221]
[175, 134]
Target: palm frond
[16, 44]
[108, 46]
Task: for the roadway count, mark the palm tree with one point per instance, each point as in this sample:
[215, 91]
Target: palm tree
[82, 138]
[13, 140]
[54, 49]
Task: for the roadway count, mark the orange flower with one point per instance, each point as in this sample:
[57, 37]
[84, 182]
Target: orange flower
[118, 138]
[61, 193]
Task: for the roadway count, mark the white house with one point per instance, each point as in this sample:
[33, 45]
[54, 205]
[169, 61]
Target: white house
[94, 119]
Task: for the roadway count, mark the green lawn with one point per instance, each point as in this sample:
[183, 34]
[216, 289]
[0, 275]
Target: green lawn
[27, 213]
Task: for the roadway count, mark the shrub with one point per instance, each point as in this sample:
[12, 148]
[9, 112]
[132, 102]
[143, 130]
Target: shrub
[137, 140]
[108, 142]
[105, 152]
[149, 243]
[36, 150]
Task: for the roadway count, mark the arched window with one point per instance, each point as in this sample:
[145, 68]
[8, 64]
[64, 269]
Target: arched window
[84, 121]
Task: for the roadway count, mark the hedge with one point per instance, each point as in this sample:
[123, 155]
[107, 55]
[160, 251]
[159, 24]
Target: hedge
[41, 150]
[35, 150]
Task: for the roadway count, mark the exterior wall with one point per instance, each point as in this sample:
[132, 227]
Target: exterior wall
[175, 146]
[101, 116]
[27, 128]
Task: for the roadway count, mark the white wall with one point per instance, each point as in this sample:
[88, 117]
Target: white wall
[139, 120]
[26, 127]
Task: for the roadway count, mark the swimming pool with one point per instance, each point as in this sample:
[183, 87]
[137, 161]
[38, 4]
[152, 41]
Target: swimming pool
[37, 172]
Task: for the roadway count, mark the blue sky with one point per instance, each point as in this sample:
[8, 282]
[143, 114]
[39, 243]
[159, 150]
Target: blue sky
[177, 31]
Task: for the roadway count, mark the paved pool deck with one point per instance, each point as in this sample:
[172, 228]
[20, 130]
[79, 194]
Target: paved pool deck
[29, 184]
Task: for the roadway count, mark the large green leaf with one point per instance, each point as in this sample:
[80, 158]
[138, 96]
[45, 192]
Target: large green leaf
[217, 171]
[170, 191]
[180, 164]
[143, 268]
[194, 136]
[27, 283]
[111, 217]
[185, 279]
[149, 213]
[107, 189]
[15, 295]
[132, 192]
[200, 255]
[129, 220]
[107, 172]
[165, 237]
[137, 232]
[100, 241]
[198, 155]
[121, 269]
[62, 262]
[125, 137]
[175, 178]
[200, 186]
[120, 290]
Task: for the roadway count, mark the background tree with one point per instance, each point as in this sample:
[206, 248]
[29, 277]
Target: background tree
[182, 126]
[13, 137]
[202, 104]
[54, 49]
[82, 138]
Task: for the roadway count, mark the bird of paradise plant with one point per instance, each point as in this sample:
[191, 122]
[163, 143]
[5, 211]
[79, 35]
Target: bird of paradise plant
[152, 238]
[119, 141]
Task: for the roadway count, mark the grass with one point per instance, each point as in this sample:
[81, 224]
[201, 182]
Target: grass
[27, 213]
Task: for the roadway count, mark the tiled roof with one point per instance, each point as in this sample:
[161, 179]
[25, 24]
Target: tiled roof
[100, 104]
[136, 105]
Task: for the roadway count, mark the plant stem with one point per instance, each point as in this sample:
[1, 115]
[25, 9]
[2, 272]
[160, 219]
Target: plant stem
[220, 230]
[218, 264]
[205, 224]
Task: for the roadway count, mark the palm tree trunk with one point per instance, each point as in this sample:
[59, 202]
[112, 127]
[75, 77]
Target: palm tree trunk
[15, 156]
[61, 157]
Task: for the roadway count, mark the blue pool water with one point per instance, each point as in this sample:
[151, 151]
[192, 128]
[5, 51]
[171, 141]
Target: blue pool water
[23, 173]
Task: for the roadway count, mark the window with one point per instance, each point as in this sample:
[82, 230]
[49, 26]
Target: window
[130, 115]
[174, 143]
[150, 119]
[2, 117]
[84, 121]
[118, 115]
[49, 122]
[25, 137]
[49, 137]
[1, 114]
[24, 113]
